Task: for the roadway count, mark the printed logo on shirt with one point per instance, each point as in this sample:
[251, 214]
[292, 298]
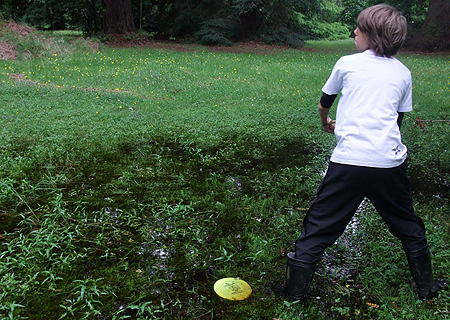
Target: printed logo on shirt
[397, 150]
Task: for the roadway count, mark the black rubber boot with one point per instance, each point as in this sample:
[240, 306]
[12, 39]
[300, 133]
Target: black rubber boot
[420, 265]
[299, 275]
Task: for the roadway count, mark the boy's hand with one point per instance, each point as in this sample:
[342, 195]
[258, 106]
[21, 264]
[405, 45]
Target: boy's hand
[329, 126]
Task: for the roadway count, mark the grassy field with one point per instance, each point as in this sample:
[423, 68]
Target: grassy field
[132, 179]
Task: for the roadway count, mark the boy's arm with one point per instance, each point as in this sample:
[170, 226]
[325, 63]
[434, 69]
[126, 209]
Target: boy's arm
[400, 119]
[323, 113]
[325, 119]
[325, 104]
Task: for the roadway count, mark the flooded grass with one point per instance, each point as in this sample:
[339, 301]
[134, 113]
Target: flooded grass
[131, 203]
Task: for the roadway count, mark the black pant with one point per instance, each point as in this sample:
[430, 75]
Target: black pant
[339, 196]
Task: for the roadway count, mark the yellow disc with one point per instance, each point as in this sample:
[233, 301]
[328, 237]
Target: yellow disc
[232, 289]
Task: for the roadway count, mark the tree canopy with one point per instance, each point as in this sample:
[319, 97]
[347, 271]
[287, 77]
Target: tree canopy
[227, 21]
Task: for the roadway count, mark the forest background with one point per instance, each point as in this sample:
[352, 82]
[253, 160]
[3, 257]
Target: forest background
[225, 22]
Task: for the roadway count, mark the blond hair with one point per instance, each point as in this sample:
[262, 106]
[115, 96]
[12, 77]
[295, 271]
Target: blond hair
[384, 27]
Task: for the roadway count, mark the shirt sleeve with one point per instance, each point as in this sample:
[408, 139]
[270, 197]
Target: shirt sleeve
[334, 83]
[406, 104]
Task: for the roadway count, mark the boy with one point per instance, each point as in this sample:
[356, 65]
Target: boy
[369, 159]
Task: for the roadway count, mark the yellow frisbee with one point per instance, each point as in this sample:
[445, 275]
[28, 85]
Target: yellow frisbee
[232, 289]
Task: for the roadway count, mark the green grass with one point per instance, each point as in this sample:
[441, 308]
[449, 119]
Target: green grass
[337, 47]
[132, 179]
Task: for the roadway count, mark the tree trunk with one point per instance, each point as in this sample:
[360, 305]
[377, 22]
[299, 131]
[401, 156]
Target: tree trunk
[118, 17]
[92, 17]
[435, 32]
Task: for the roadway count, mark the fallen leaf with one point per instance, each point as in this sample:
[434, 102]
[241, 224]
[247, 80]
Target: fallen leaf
[373, 305]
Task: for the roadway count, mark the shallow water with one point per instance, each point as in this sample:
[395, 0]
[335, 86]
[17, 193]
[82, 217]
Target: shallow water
[180, 251]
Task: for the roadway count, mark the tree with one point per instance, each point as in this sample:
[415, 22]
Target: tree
[118, 17]
[273, 21]
[352, 8]
[434, 35]
[12, 9]
[90, 15]
[85, 15]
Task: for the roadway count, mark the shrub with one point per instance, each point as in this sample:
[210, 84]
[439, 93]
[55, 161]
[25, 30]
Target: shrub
[215, 32]
[324, 30]
[283, 36]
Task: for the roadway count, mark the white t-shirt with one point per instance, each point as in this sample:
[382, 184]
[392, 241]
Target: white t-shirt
[373, 90]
